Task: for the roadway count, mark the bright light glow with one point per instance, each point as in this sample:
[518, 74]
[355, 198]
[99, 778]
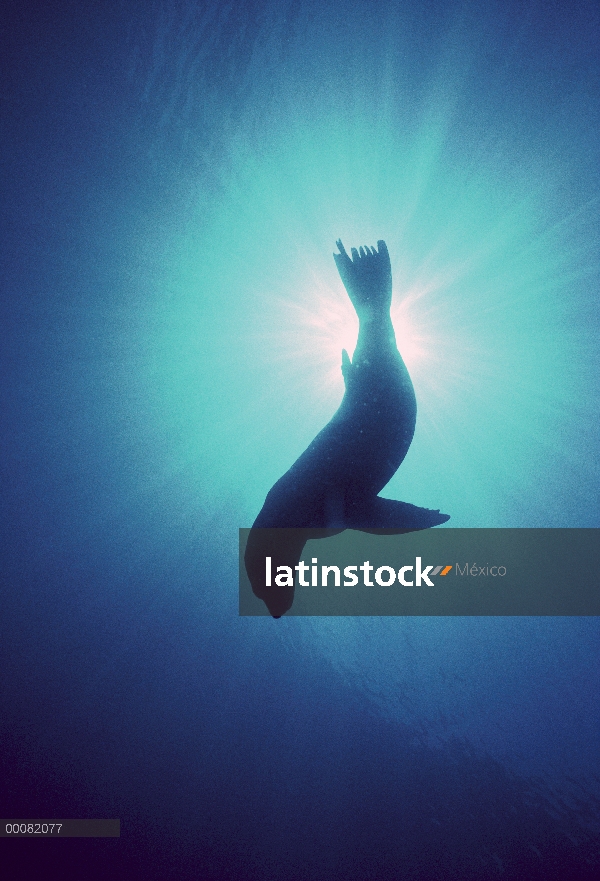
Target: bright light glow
[493, 275]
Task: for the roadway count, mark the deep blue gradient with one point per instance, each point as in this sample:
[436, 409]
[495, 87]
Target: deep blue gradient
[175, 176]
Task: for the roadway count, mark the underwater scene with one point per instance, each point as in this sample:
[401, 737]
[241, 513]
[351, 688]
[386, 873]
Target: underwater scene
[176, 176]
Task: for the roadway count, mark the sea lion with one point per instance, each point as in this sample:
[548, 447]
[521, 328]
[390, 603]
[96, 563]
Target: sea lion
[334, 484]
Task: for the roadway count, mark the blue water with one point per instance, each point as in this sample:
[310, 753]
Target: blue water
[175, 178]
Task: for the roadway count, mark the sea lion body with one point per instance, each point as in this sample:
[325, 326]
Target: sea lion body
[334, 484]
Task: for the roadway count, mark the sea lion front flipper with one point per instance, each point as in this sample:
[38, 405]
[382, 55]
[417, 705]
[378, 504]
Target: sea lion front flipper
[377, 513]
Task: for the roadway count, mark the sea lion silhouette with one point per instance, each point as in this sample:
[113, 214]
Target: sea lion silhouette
[334, 485]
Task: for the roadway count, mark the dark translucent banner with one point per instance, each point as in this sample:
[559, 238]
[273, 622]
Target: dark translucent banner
[430, 572]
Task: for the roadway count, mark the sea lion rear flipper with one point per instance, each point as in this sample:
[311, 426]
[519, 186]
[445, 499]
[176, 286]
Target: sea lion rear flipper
[346, 366]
